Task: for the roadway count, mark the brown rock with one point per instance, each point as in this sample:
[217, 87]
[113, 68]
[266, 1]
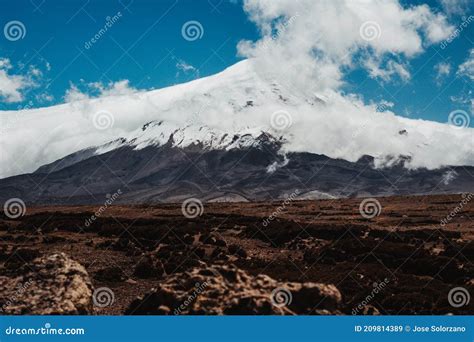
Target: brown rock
[149, 267]
[54, 285]
[223, 289]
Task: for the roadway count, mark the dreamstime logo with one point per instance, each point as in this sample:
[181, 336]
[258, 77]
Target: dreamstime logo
[281, 297]
[21, 289]
[110, 200]
[14, 30]
[457, 32]
[192, 30]
[103, 297]
[103, 120]
[198, 289]
[369, 208]
[192, 208]
[281, 120]
[281, 208]
[14, 208]
[109, 22]
[280, 30]
[458, 297]
[459, 118]
[466, 198]
[370, 30]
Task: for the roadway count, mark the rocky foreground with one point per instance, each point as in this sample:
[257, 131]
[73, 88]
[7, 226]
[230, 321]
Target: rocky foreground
[299, 257]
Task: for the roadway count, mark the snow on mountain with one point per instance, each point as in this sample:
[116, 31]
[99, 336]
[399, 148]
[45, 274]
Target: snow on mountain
[240, 101]
[159, 133]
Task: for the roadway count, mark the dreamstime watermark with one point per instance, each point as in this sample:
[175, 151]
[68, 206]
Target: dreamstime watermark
[458, 297]
[103, 297]
[192, 30]
[109, 22]
[103, 120]
[281, 297]
[281, 120]
[466, 198]
[21, 288]
[110, 200]
[459, 119]
[14, 30]
[457, 32]
[46, 330]
[370, 30]
[198, 289]
[281, 208]
[377, 288]
[14, 208]
[370, 208]
[192, 208]
[384, 106]
[279, 31]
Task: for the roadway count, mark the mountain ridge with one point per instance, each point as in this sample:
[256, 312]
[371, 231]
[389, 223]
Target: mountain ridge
[237, 99]
[253, 172]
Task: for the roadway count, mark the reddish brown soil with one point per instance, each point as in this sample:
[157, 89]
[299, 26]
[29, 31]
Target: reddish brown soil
[325, 241]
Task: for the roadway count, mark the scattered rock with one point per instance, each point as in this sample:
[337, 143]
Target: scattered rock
[50, 239]
[113, 273]
[223, 289]
[54, 285]
[215, 239]
[149, 267]
[237, 250]
[304, 244]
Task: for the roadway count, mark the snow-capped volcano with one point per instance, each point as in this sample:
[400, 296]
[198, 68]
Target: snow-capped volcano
[237, 135]
[241, 101]
[159, 133]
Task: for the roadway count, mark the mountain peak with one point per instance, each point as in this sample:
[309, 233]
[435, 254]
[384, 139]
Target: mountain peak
[240, 101]
[159, 133]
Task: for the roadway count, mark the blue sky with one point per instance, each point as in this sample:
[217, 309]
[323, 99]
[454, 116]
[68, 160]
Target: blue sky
[145, 46]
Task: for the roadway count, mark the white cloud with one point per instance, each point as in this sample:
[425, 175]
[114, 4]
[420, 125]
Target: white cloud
[339, 126]
[466, 99]
[386, 73]
[98, 89]
[384, 105]
[467, 68]
[455, 7]
[442, 69]
[35, 71]
[183, 66]
[5, 63]
[305, 63]
[11, 85]
[326, 38]
[449, 176]
[114, 88]
[186, 68]
[74, 94]
[14, 85]
[44, 97]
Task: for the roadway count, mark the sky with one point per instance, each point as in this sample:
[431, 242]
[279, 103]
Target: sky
[54, 61]
[144, 45]
[386, 78]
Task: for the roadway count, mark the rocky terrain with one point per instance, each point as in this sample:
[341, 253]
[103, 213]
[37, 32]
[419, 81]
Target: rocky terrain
[293, 257]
